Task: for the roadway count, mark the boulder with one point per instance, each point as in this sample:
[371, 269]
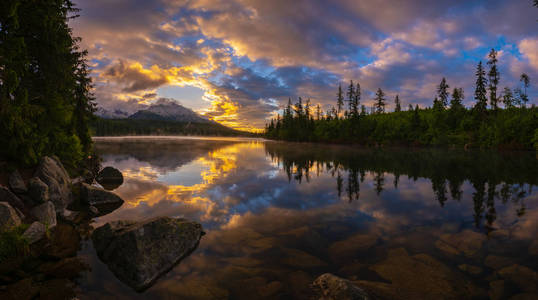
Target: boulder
[53, 174]
[45, 213]
[331, 287]
[102, 201]
[139, 252]
[8, 216]
[7, 196]
[35, 232]
[110, 178]
[16, 183]
[38, 190]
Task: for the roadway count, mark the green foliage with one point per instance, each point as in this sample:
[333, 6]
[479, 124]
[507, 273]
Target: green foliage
[512, 128]
[12, 243]
[45, 100]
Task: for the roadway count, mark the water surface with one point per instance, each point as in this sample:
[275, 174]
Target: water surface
[277, 215]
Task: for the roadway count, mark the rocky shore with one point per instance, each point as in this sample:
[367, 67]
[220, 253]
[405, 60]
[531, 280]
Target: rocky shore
[44, 217]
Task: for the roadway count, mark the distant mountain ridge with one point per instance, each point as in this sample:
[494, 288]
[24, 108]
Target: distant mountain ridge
[163, 111]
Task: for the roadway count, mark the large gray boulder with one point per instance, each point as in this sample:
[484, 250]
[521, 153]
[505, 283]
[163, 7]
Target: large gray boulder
[53, 174]
[45, 213]
[104, 201]
[7, 196]
[331, 287]
[38, 190]
[139, 252]
[16, 183]
[35, 232]
[8, 216]
[110, 178]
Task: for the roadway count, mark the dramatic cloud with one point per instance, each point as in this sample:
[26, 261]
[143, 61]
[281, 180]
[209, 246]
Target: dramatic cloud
[248, 56]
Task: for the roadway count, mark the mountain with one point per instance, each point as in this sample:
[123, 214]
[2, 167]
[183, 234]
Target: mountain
[169, 111]
[115, 114]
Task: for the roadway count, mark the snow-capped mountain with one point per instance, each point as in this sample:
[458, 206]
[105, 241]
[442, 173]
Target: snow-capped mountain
[169, 111]
[111, 114]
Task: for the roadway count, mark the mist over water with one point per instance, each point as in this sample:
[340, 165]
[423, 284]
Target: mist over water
[278, 215]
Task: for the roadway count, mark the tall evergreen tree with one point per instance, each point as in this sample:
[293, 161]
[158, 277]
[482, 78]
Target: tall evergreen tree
[45, 98]
[442, 93]
[318, 112]
[480, 91]
[339, 100]
[508, 98]
[379, 101]
[355, 101]
[457, 99]
[493, 77]
[350, 94]
[526, 83]
[397, 103]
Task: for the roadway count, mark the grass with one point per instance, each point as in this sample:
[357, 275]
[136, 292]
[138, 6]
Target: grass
[12, 242]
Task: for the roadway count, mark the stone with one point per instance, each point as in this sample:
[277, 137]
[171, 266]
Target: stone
[8, 216]
[16, 183]
[533, 248]
[38, 190]
[45, 214]
[496, 290]
[54, 175]
[421, 276]
[299, 259]
[65, 241]
[35, 232]
[110, 178]
[467, 242]
[348, 248]
[330, 287]
[525, 296]
[23, 289]
[7, 196]
[139, 252]
[525, 278]
[70, 267]
[102, 200]
[497, 262]
[473, 270]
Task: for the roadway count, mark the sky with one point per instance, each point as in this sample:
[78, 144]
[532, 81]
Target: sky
[238, 61]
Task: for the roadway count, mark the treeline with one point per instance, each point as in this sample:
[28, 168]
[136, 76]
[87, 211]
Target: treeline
[447, 122]
[45, 99]
[119, 127]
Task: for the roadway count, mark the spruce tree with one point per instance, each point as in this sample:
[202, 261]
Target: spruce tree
[398, 104]
[526, 83]
[508, 98]
[442, 93]
[493, 77]
[457, 99]
[480, 90]
[355, 102]
[350, 94]
[379, 101]
[339, 100]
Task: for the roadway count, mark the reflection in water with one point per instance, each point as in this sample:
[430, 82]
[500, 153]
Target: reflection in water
[278, 215]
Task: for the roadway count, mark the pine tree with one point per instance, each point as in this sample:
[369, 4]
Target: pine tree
[379, 101]
[480, 91]
[508, 98]
[457, 99]
[318, 112]
[339, 100]
[350, 94]
[398, 104]
[355, 102]
[526, 83]
[442, 93]
[494, 77]
[410, 108]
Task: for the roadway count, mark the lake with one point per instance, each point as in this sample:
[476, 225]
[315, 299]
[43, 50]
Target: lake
[399, 222]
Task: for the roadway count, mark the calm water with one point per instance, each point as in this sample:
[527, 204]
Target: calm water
[277, 215]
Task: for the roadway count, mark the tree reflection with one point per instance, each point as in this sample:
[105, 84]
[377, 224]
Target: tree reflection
[493, 176]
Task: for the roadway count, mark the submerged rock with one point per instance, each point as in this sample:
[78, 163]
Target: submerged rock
[525, 278]
[45, 214]
[38, 190]
[139, 252]
[110, 178]
[330, 287]
[102, 201]
[16, 183]
[467, 242]
[35, 232]
[8, 216]
[54, 175]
